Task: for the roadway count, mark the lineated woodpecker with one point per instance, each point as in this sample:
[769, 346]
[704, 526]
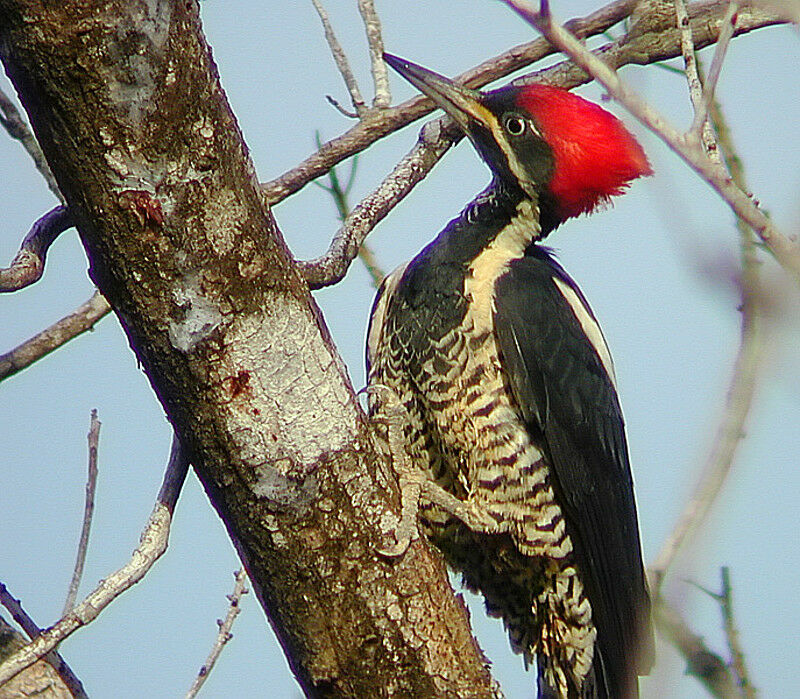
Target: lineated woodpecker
[509, 393]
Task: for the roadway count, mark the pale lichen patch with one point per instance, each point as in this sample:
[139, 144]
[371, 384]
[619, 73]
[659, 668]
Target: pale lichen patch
[197, 315]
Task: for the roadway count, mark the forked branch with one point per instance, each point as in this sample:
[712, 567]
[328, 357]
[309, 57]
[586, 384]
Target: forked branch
[646, 47]
[153, 544]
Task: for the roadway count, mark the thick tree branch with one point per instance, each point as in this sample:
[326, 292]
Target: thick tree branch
[340, 195]
[180, 243]
[331, 267]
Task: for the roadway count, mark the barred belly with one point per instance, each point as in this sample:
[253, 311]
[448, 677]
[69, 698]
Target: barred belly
[465, 432]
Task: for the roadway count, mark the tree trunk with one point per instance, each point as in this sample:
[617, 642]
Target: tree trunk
[126, 103]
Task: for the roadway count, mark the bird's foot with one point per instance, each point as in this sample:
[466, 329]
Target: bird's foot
[391, 412]
[407, 529]
[475, 517]
[414, 484]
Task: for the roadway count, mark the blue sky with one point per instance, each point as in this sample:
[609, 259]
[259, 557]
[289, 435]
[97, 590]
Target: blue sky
[672, 326]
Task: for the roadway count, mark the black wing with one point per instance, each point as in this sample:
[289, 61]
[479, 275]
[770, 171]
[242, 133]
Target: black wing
[559, 380]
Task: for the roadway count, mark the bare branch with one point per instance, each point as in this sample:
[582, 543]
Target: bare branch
[28, 265]
[687, 50]
[54, 658]
[743, 380]
[725, 35]
[700, 129]
[380, 76]
[16, 127]
[339, 108]
[340, 194]
[79, 321]
[224, 635]
[379, 123]
[340, 58]
[331, 267]
[785, 251]
[88, 511]
[701, 662]
[153, 543]
[642, 49]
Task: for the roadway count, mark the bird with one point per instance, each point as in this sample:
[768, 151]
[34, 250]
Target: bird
[508, 390]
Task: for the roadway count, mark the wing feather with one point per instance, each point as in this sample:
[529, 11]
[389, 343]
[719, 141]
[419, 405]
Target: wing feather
[563, 386]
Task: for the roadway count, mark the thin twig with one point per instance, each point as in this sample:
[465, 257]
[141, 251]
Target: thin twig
[687, 50]
[88, 510]
[54, 658]
[738, 663]
[12, 121]
[224, 635]
[339, 108]
[380, 76]
[700, 129]
[153, 543]
[644, 48]
[340, 58]
[79, 321]
[367, 256]
[331, 267]
[743, 379]
[701, 662]
[786, 252]
[28, 265]
[725, 35]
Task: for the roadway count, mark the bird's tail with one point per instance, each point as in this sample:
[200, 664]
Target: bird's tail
[598, 684]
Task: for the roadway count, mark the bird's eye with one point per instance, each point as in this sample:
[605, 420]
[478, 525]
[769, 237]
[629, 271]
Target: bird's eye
[515, 125]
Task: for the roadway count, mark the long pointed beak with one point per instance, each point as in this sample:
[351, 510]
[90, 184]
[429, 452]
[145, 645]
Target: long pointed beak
[461, 103]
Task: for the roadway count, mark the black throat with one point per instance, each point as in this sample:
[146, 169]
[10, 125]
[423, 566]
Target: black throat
[480, 223]
[495, 227]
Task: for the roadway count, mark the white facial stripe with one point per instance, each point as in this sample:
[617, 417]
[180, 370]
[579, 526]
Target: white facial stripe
[589, 325]
[514, 164]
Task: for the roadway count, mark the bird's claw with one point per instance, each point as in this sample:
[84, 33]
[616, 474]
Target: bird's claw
[403, 541]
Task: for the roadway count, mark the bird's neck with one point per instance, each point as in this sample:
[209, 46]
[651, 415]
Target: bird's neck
[499, 217]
